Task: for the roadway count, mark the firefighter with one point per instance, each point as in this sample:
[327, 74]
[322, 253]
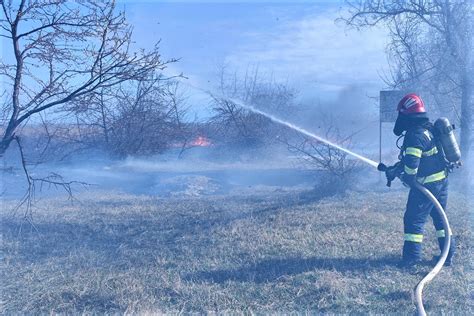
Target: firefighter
[423, 163]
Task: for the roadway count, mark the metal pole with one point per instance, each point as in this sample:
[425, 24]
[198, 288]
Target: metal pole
[444, 253]
[380, 140]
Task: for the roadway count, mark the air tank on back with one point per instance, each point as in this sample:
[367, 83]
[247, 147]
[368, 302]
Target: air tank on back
[446, 138]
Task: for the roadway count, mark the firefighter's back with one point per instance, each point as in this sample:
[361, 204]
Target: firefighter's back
[420, 143]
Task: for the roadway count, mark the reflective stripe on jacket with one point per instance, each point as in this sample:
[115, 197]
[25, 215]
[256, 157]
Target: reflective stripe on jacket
[421, 158]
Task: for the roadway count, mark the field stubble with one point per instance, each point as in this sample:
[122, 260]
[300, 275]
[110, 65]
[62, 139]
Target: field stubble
[270, 252]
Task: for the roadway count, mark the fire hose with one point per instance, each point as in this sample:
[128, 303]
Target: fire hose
[391, 173]
[444, 252]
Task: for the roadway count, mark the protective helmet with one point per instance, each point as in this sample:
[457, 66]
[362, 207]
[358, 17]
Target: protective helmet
[411, 104]
[411, 112]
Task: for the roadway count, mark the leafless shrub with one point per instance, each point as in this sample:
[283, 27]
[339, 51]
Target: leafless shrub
[338, 169]
[139, 118]
[238, 127]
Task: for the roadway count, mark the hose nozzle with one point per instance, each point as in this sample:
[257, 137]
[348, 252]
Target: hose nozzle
[382, 167]
[391, 172]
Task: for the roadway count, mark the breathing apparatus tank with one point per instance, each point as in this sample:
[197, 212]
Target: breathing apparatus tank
[446, 141]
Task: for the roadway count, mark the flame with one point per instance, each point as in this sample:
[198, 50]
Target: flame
[201, 141]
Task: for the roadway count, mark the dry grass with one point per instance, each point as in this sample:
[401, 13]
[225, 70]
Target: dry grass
[262, 253]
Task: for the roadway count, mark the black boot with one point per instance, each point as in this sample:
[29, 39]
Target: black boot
[452, 250]
[411, 256]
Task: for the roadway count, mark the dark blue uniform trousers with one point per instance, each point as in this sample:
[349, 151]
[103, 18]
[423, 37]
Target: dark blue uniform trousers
[416, 215]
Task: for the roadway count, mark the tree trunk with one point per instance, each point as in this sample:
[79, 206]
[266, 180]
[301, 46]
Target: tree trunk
[14, 122]
[4, 144]
[8, 135]
[466, 115]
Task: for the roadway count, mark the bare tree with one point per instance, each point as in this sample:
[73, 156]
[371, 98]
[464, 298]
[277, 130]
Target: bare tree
[241, 127]
[431, 50]
[62, 50]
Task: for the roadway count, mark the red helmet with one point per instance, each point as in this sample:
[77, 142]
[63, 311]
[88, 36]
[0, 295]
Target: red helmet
[411, 104]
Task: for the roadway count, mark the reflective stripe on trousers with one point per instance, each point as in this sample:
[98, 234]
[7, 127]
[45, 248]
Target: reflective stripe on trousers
[414, 237]
[432, 178]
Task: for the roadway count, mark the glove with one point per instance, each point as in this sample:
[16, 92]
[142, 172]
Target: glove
[392, 172]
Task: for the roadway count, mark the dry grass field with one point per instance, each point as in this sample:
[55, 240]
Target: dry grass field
[246, 253]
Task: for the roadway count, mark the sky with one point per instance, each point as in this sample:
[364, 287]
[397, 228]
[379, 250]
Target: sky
[299, 42]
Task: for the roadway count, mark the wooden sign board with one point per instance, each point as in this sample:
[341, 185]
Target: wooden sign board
[388, 104]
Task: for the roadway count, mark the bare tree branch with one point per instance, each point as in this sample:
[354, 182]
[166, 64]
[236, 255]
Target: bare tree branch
[431, 51]
[52, 180]
[84, 46]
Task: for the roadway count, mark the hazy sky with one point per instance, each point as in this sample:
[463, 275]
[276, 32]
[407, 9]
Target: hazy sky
[298, 41]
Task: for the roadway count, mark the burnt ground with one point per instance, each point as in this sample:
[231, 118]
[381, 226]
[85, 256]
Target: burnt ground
[260, 251]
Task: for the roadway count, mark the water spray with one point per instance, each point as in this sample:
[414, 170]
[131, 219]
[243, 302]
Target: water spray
[292, 126]
[303, 131]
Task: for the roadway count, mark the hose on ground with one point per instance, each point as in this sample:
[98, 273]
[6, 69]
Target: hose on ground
[418, 291]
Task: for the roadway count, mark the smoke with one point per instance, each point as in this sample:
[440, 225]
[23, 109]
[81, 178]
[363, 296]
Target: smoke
[469, 169]
[354, 110]
[190, 174]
